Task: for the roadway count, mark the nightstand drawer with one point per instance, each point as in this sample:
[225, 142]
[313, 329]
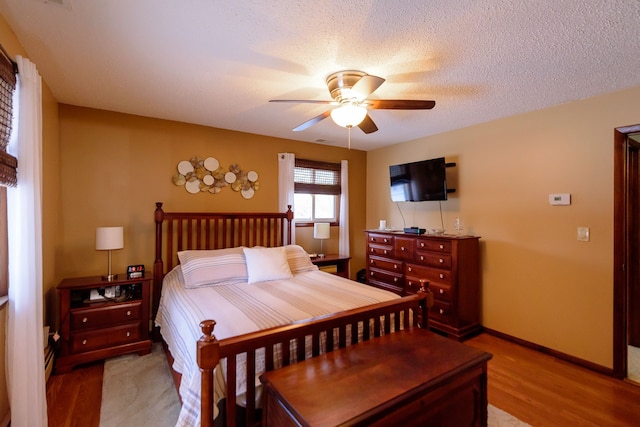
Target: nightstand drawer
[89, 318]
[102, 338]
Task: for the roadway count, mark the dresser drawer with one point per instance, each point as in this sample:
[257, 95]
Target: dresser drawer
[441, 291]
[380, 250]
[435, 260]
[413, 285]
[434, 245]
[89, 318]
[386, 264]
[404, 248]
[382, 239]
[441, 311]
[429, 273]
[386, 279]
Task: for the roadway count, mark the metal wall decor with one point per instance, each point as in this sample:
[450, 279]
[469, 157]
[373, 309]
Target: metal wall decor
[207, 176]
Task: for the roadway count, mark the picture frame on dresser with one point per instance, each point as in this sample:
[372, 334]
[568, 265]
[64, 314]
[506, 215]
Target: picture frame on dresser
[448, 264]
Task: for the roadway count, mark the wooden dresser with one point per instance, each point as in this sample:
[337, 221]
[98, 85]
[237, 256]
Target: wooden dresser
[408, 378]
[451, 264]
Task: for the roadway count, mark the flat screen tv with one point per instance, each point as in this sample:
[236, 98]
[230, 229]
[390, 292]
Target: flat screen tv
[419, 181]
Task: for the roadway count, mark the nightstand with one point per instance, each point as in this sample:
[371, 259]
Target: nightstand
[94, 327]
[336, 264]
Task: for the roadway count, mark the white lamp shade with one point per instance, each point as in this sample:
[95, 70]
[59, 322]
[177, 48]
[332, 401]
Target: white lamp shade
[108, 238]
[321, 230]
[348, 115]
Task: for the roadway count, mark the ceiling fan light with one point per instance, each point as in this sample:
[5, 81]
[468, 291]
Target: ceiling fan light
[348, 115]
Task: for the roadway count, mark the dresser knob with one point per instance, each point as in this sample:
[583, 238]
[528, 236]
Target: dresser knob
[441, 276]
[409, 268]
[395, 266]
[128, 312]
[372, 261]
[441, 311]
[84, 320]
[84, 342]
[441, 291]
[441, 260]
[441, 246]
[128, 333]
[402, 248]
[372, 251]
[421, 245]
[386, 241]
[395, 279]
[385, 251]
[421, 258]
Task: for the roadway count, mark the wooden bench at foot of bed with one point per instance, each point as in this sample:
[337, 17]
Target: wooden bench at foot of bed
[335, 327]
[409, 378]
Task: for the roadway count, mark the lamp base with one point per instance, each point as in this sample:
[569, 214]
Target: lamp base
[110, 277]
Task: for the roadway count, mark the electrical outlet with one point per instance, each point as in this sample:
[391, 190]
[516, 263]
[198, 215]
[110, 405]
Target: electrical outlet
[583, 234]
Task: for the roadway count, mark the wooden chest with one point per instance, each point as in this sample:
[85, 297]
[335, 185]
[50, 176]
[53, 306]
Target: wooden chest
[407, 378]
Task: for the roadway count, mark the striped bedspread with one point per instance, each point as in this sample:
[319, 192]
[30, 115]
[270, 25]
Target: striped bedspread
[242, 308]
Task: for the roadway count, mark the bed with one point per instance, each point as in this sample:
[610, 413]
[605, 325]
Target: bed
[272, 307]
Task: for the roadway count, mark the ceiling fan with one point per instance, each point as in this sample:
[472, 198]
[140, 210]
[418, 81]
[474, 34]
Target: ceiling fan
[350, 89]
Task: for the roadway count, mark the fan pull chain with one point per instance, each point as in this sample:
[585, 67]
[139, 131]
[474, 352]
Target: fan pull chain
[349, 127]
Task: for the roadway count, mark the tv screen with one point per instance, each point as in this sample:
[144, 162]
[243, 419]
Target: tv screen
[419, 181]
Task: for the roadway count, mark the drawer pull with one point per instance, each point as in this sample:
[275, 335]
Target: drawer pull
[84, 342]
[441, 276]
[421, 258]
[410, 268]
[395, 279]
[441, 246]
[441, 311]
[372, 262]
[128, 312]
[402, 248]
[385, 251]
[371, 250]
[386, 241]
[441, 291]
[128, 333]
[421, 244]
[84, 320]
[395, 266]
[441, 260]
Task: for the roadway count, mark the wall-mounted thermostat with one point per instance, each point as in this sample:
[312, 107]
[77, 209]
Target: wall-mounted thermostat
[560, 199]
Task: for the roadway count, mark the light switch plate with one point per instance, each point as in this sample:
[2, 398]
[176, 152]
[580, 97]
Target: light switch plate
[560, 199]
[583, 234]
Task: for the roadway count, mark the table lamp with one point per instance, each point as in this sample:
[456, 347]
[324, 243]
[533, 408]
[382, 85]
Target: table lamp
[321, 231]
[108, 239]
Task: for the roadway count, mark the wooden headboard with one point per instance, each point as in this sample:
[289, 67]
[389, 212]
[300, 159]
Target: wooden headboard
[179, 231]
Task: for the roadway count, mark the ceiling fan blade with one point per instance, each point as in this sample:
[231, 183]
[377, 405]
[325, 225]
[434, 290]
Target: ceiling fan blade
[312, 122]
[399, 104]
[365, 86]
[367, 125]
[305, 101]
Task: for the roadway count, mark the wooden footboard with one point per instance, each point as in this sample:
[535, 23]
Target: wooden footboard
[334, 328]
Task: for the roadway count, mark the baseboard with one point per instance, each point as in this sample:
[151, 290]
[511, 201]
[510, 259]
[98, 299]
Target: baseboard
[557, 354]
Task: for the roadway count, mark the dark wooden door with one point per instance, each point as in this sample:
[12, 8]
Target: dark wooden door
[633, 242]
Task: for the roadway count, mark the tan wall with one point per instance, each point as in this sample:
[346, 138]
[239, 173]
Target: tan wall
[50, 203]
[539, 283]
[114, 167]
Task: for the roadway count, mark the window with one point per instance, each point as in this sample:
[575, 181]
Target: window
[317, 192]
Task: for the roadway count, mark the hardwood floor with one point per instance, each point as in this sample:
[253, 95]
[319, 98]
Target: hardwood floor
[537, 388]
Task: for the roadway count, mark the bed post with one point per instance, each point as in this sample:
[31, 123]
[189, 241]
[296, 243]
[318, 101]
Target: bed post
[158, 266]
[207, 356]
[289, 221]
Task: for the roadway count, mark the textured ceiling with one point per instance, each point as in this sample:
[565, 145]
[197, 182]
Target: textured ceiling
[217, 63]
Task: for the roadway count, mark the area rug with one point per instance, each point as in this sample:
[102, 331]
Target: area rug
[139, 391]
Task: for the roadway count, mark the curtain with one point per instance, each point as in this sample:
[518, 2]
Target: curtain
[286, 169]
[344, 248]
[25, 346]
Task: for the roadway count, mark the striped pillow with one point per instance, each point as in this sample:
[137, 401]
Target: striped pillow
[213, 267]
[299, 260]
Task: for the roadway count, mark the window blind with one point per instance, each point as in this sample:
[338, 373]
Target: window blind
[315, 177]
[8, 163]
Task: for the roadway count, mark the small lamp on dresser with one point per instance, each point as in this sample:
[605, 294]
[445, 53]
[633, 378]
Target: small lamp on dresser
[108, 239]
[321, 231]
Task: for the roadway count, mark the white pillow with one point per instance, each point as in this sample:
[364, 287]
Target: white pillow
[212, 267]
[299, 260]
[267, 264]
